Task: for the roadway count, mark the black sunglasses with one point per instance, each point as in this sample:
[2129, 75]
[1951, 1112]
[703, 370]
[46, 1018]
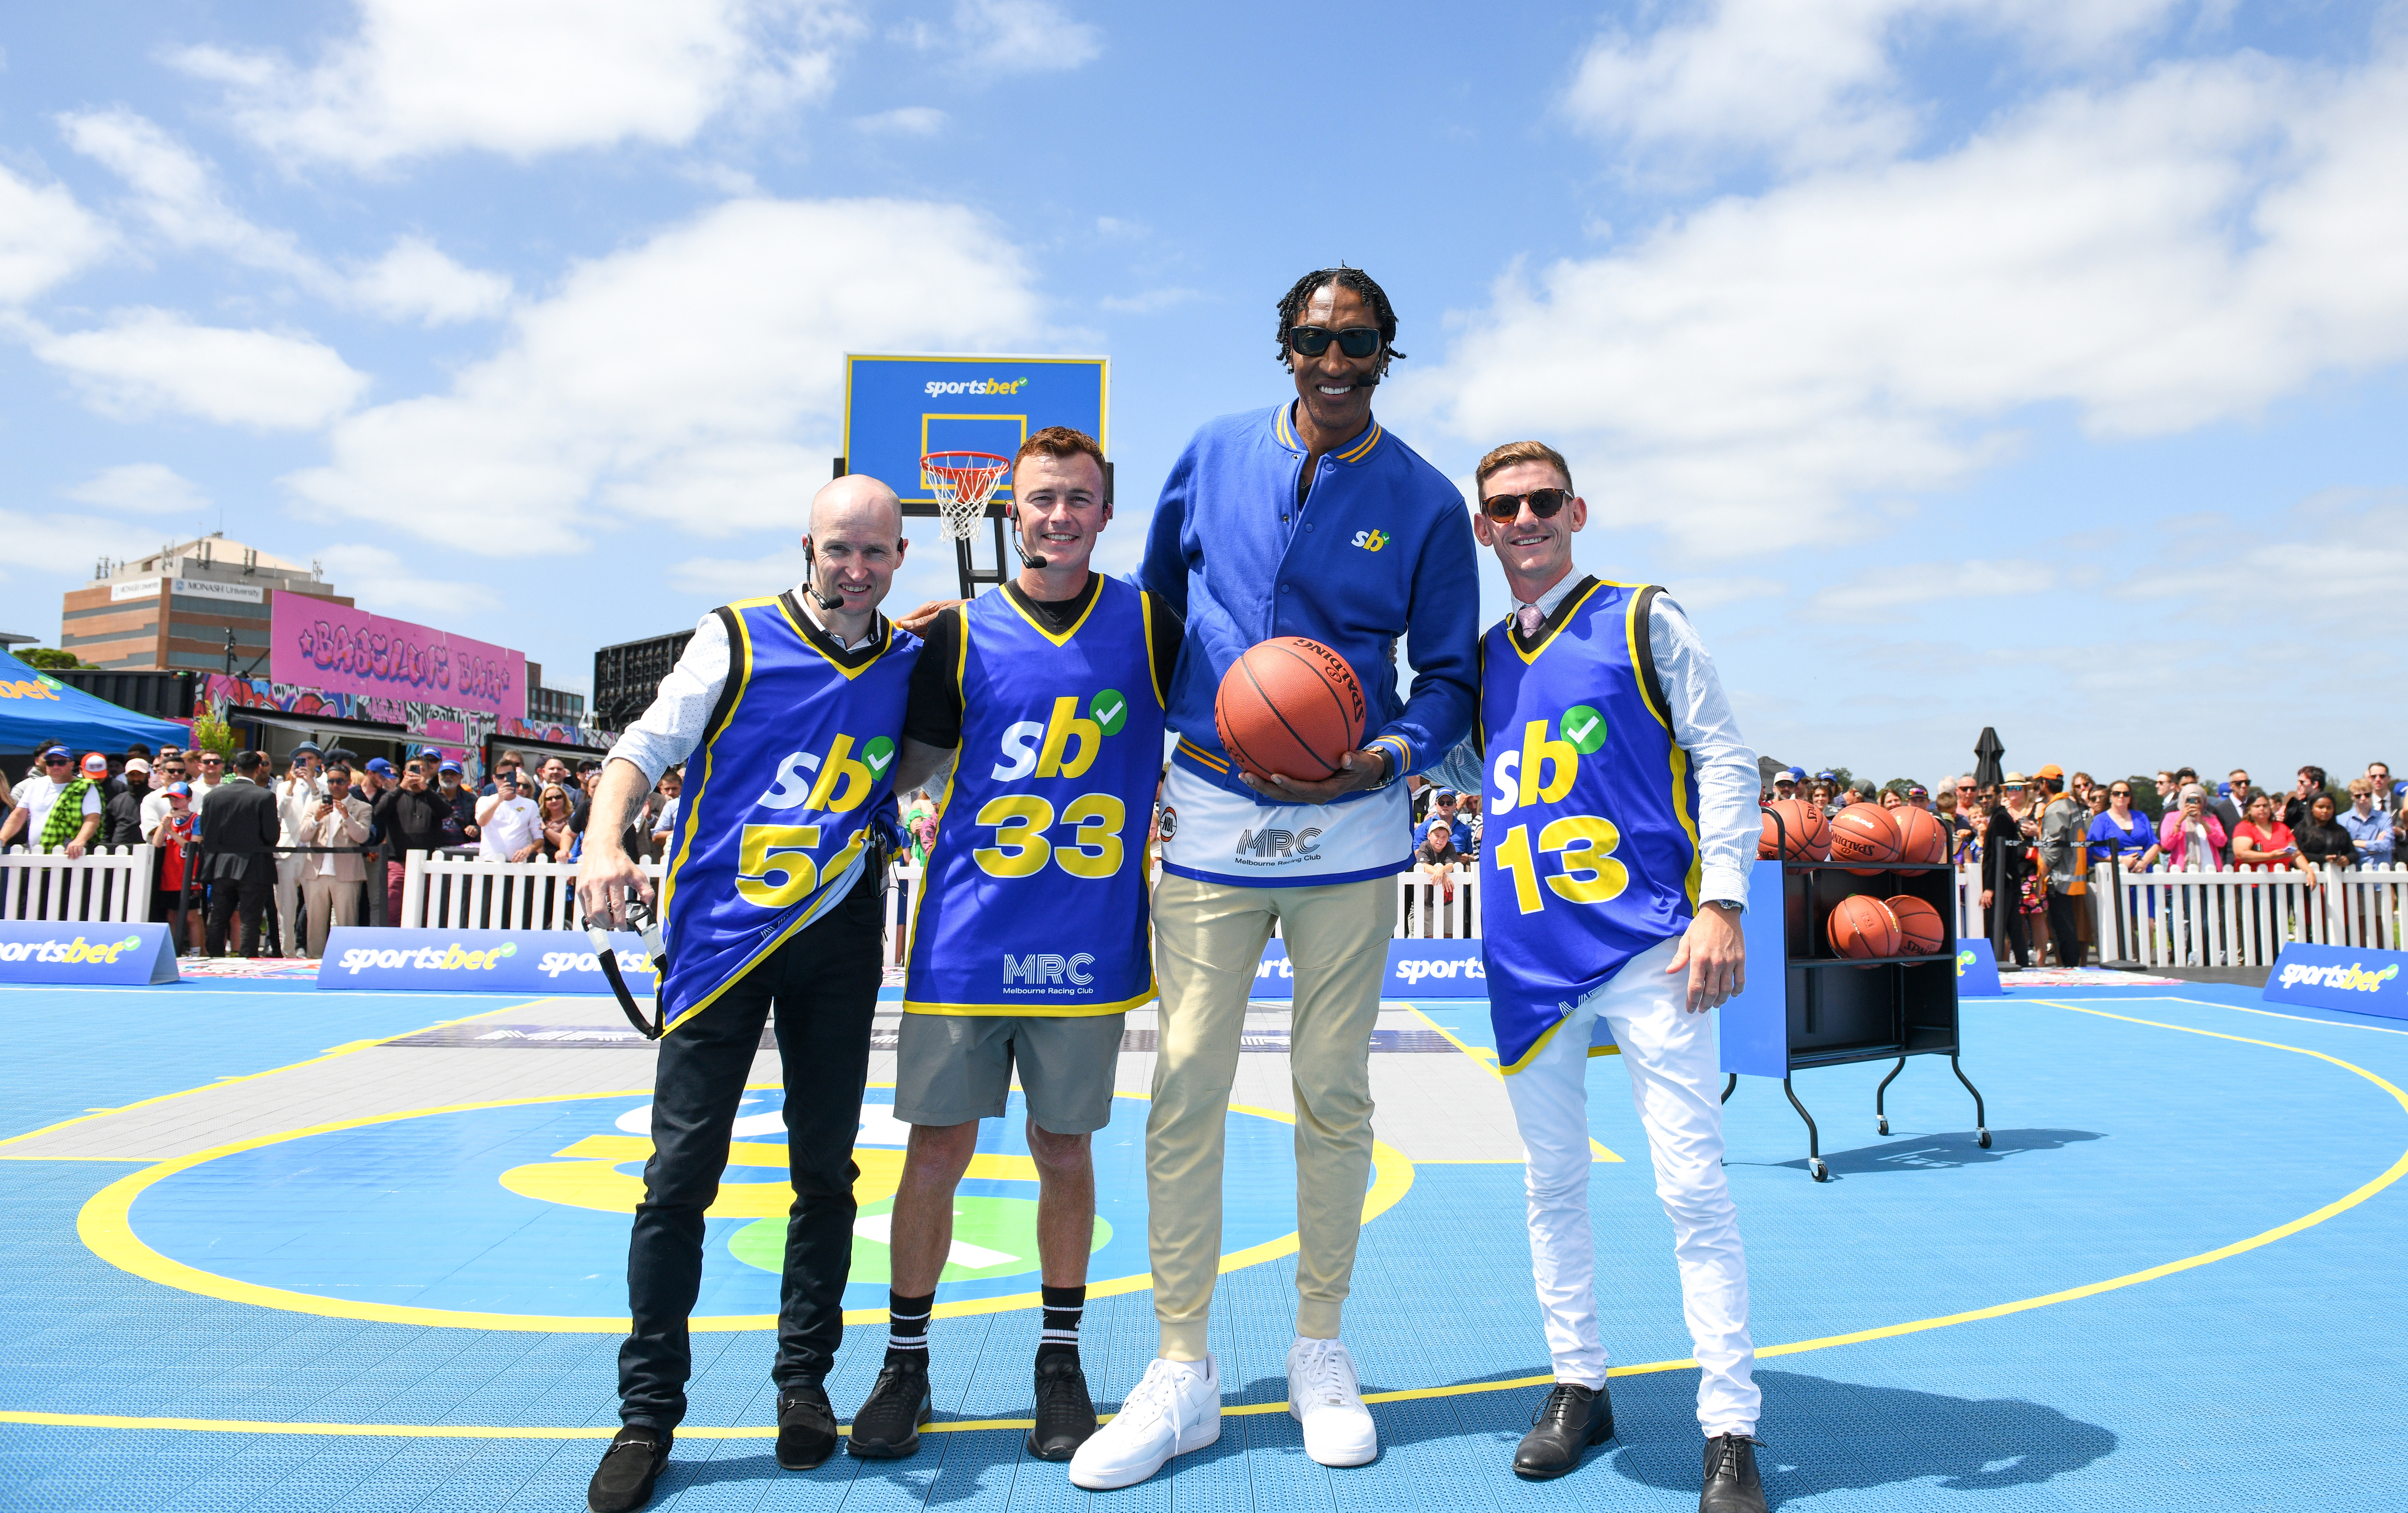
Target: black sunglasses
[1505, 507]
[1355, 341]
[57, 762]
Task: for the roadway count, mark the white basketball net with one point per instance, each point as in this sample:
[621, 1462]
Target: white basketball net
[963, 482]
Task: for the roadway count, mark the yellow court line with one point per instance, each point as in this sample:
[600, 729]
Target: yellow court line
[105, 1226]
[330, 1053]
[2342, 1204]
[2238, 1008]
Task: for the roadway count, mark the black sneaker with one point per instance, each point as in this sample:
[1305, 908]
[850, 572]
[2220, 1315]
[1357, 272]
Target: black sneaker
[887, 1428]
[1732, 1485]
[624, 1482]
[1570, 1420]
[805, 1428]
[1066, 1413]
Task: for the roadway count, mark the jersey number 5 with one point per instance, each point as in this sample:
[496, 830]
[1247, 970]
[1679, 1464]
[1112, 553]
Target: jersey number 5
[1021, 850]
[774, 867]
[1590, 874]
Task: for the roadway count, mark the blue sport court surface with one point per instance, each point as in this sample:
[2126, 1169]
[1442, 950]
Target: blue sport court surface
[297, 1250]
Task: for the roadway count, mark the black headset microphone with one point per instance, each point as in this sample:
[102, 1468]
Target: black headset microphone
[811, 584]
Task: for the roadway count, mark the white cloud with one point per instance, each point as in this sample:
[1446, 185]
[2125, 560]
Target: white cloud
[176, 191]
[1881, 592]
[2336, 560]
[44, 237]
[2157, 255]
[722, 578]
[1149, 301]
[1812, 80]
[416, 282]
[1022, 36]
[1697, 594]
[904, 121]
[60, 541]
[695, 379]
[147, 360]
[384, 582]
[525, 77]
[144, 488]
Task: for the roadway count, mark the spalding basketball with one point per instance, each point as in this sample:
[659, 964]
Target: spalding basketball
[1918, 927]
[1861, 927]
[1803, 829]
[1864, 832]
[1921, 838]
[1290, 707]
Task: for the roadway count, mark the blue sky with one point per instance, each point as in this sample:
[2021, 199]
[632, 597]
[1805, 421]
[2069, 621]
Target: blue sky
[2030, 362]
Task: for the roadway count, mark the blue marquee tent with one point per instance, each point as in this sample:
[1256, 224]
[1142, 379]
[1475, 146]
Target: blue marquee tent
[37, 710]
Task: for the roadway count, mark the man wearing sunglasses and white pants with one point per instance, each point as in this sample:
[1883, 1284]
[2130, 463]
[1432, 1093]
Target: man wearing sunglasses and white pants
[1622, 818]
[1305, 518]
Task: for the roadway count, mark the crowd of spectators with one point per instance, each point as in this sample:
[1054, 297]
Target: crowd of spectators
[2039, 838]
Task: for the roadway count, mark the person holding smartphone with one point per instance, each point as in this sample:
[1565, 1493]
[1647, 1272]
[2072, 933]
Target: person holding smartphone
[2263, 842]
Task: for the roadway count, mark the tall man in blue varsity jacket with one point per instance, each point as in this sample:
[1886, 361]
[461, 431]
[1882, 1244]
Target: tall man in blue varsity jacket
[1304, 518]
[1622, 816]
[787, 711]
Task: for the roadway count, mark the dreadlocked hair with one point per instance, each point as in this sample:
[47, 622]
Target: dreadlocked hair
[1300, 295]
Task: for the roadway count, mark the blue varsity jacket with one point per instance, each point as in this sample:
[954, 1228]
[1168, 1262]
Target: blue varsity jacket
[1381, 550]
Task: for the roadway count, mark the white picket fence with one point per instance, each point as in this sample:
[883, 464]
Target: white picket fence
[103, 885]
[2232, 918]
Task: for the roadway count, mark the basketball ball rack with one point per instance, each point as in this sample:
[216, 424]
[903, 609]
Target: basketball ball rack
[1847, 1008]
[964, 484]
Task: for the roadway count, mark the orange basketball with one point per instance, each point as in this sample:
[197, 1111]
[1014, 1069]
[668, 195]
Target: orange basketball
[1864, 832]
[1921, 838]
[1290, 707]
[1920, 933]
[1803, 828]
[1861, 927]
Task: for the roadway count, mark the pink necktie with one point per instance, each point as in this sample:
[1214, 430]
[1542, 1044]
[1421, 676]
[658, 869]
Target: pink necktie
[1531, 621]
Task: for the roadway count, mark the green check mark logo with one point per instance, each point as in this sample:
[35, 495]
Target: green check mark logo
[1109, 711]
[1584, 728]
[877, 754]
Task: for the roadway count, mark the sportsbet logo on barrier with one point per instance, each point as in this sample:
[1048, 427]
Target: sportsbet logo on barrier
[67, 953]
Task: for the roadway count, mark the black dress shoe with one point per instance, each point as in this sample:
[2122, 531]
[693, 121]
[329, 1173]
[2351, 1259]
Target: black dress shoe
[1732, 1485]
[624, 1482]
[887, 1428]
[805, 1428]
[1065, 1414]
[1570, 1420]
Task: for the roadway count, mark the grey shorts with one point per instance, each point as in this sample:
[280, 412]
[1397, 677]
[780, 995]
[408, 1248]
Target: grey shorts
[954, 1068]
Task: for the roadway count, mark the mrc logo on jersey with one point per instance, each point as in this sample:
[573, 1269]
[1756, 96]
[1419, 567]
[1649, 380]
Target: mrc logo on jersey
[1066, 743]
[836, 783]
[1040, 971]
[1543, 767]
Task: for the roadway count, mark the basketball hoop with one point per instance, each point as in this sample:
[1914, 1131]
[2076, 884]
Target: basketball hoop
[963, 482]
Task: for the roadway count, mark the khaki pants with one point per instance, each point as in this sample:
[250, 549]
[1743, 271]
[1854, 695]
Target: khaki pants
[1208, 941]
[288, 888]
[330, 903]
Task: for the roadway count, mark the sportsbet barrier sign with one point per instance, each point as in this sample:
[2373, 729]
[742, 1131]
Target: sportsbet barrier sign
[100, 952]
[474, 961]
[2340, 976]
[1416, 969]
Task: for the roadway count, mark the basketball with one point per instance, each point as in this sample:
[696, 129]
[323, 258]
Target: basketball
[1803, 828]
[1861, 927]
[1921, 838]
[1290, 707]
[1920, 933]
[1864, 832]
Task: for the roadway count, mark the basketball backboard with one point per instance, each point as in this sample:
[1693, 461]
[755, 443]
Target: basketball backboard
[898, 407]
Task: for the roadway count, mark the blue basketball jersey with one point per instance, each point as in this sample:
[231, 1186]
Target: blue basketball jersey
[1590, 843]
[779, 798]
[1034, 901]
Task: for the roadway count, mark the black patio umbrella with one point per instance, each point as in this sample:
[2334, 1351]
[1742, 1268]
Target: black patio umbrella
[1987, 751]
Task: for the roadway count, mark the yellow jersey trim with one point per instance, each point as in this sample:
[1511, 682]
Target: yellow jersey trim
[886, 639]
[1536, 1046]
[820, 906]
[739, 666]
[1202, 755]
[1063, 639]
[1368, 442]
[1031, 1011]
[1153, 669]
[1549, 638]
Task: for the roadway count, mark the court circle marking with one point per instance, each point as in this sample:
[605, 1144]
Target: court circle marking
[2364, 1192]
[105, 1226]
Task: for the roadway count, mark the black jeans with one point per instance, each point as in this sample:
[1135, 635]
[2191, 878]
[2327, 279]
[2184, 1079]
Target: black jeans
[823, 984]
[2065, 927]
[253, 892]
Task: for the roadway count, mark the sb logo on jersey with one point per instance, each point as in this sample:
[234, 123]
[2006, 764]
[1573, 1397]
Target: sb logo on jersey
[1370, 540]
[836, 784]
[1543, 768]
[1065, 744]
[1574, 856]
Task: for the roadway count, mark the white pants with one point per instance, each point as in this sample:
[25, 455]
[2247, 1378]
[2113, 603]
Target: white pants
[288, 887]
[1670, 1055]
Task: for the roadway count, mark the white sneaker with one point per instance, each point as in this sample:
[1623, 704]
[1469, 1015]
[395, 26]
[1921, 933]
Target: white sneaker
[1325, 1396]
[1174, 1408]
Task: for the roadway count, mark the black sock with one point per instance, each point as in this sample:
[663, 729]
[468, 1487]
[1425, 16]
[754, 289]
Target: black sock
[1064, 1305]
[907, 1327]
